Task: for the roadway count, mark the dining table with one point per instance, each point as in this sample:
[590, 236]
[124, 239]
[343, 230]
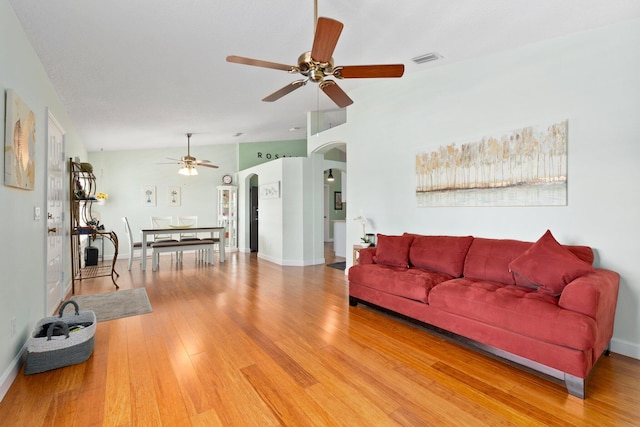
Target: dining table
[146, 232]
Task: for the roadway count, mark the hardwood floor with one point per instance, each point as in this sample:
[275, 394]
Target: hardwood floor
[250, 343]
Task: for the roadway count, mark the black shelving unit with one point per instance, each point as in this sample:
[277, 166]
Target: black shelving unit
[82, 185]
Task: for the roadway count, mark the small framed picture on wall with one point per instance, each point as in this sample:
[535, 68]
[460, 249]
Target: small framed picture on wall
[174, 196]
[148, 195]
[337, 200]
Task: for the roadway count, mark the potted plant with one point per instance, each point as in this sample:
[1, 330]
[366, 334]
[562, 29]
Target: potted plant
[365, 238]
[366, 242]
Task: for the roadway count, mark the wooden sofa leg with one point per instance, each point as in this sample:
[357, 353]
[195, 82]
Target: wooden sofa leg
[353, 301]
[575, 385]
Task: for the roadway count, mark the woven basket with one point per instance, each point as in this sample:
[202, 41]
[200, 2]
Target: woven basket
[61, 340]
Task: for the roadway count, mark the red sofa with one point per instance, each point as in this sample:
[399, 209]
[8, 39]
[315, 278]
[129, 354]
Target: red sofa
[542, 305]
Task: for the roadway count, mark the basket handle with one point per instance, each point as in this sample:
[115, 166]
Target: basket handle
[67, 303]
[58, 325]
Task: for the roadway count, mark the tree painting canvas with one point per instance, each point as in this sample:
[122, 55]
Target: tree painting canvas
[523, 167]
[20, 144]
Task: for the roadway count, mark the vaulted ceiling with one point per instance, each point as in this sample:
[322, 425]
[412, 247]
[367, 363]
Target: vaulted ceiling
[141, 74]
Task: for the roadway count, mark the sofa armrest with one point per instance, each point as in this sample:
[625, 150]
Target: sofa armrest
[366, 255]
[594, 295]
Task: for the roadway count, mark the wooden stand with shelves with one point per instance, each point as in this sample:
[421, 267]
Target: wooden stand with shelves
[356, 254]
[82, 186]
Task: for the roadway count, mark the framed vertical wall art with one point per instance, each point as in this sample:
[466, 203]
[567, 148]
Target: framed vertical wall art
[337, 200]
[148, 195]
[174, 196]
[19, 144]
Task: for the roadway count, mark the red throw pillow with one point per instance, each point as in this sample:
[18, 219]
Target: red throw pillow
[440, 253]
[549, 265]
[393, 250]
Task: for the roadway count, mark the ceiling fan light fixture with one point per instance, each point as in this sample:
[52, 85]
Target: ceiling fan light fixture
[188, 163]
[317, 64]
[188, 171]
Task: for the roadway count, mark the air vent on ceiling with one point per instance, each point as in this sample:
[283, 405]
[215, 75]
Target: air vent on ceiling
[427, 57]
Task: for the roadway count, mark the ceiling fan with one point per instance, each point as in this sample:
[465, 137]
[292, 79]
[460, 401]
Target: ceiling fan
[188, 163]
[317, 64]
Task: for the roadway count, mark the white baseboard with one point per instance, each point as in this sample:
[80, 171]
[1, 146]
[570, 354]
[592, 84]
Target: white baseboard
[625, 348]
[12, 372]
[291, 263]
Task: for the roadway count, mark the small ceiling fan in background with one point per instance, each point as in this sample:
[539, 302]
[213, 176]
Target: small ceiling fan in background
[188, 163]
[318, 64]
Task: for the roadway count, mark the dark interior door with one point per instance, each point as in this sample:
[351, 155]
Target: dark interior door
[253, 224]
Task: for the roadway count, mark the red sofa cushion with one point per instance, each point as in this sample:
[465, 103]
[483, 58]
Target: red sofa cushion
[585, 253]
[488, 259]
[366, 255]
[393, 250]
[517, 309]
[440, 253]
[405, 282]
[549, 266]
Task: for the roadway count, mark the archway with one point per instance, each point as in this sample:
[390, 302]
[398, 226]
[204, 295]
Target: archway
[335, 201]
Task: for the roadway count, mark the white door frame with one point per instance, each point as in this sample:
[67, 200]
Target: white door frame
[55, 209]
[327, 223]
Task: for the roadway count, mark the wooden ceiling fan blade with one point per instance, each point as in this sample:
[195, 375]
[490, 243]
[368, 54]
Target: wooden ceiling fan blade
[259, 63]
[369, 71]
[284, 91]
[207, 165]
[326, 38]
[336, 94]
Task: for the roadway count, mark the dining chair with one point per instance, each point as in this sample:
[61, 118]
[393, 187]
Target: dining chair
[132, 245]
[189, 221]
[163, 222]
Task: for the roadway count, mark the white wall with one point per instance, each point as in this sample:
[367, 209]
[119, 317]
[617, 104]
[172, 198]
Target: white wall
[304, 212]
[270, 217]
[23, 256]
[290, 228]
[121, 174]
[590, 78]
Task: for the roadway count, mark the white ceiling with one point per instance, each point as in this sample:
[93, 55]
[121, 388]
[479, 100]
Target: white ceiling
[140, 74]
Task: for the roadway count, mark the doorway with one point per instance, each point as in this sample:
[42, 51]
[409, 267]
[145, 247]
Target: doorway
[253, 222]
[56, 196]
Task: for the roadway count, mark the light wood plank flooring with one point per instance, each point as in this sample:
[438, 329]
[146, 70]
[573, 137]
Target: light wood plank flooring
[251, 343]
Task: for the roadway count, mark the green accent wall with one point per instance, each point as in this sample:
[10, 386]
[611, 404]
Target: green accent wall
[255, 153]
